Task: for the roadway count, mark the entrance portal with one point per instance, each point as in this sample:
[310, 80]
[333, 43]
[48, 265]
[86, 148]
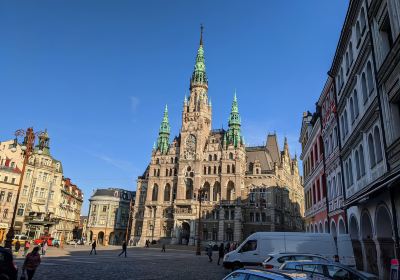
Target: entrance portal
[100, 238]
[185, 234]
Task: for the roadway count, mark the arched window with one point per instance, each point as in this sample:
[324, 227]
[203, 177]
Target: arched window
[228, 169]
[372, 160]
[351, 172]
[364, 88]
[230, 156]
[215, 170]
[155, 172]
[158, 172]
[351, 53]
[172, 160]
[166, 172]
[154, 196]
[205, 170]
[170, 172]
[215, 157]
[362, 162]
[167, 192]
[189, 189]
[209, 170]
[233, 168]
[378, 146]
[358, 33]
[352, 116]
[358, 172]
[362, 19]
[219, 169]
[356, 108]
[370, 78]
[347, 175]
[158, 161]
[209, 157]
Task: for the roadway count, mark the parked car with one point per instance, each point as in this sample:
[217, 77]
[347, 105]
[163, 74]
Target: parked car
[257, 247]
[259, 274]
[8, 268]
[274, 261]
[75, 242]
[324, 270]
[50, 241]
[19, 237]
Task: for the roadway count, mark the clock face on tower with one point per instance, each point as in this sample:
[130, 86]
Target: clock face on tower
[190, 150]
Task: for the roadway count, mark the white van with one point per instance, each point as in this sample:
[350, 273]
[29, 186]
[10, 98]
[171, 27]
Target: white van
[255, 249]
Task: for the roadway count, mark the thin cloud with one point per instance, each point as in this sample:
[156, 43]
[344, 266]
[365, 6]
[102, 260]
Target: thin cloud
[134, 103]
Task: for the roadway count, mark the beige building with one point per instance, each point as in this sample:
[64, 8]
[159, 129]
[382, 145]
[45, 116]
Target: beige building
[44, 193]
[108, 217]
[244, 189]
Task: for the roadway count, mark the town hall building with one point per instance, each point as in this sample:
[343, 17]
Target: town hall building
[239, 189]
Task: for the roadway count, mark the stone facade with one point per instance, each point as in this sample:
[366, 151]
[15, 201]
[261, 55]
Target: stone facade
[47, 203]
[242, 189]
[108, 218]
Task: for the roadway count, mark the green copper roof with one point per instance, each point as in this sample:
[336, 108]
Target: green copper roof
[199, 76]
[233, 135]
[163, 134]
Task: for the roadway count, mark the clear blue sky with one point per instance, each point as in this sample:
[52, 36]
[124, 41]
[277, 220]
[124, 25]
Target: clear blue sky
[97, 73]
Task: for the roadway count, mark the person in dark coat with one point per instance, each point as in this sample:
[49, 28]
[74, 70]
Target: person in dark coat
[17, 246]
[123, 249]
[32, 261]
[93, 248]
[209, 253]
[221, 251]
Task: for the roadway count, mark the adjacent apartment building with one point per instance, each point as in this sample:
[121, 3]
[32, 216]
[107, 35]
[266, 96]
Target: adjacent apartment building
[359, 109]
[48, 202]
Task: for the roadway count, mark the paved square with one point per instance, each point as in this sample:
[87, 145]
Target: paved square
[141, 263]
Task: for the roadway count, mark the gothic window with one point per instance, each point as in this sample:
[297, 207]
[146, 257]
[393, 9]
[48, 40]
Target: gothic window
[170, 172]
[230, 156]
[209, 170]
[158, 161]
[189, 189]
[228, 169]
[158, 173]
[172, 160]
[167, 192]
[175, 171]
[166, 172]
[209, 157]
[205, 170]
[233, 168]
[215, 157]
[215, 170]
[219, 169]
[230, 191]
[154, 196]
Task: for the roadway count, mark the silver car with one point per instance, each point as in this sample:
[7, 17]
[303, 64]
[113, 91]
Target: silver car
[274, 261]
[323, 270]
[260, 274]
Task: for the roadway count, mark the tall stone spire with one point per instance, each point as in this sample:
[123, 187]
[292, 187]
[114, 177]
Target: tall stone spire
[199, 76]
[286, 147]
[163, 134]
[234, 135]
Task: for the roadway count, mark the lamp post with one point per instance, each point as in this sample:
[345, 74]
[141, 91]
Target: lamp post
[27, 150]
[199, 197]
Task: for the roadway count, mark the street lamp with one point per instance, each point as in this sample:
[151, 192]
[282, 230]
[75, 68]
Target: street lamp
[27, 148]
[199, 197]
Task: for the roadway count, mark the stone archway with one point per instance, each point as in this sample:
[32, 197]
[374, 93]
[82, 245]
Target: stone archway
[111, 239]
[357, 248]
[326, 227]
[342, 227]
[217, 191]
[384, 235]
[333, 230]
[185, 233]
[230, 191]
[369, 244]
[100, 238]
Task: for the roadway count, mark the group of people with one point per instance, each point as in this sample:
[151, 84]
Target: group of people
[222, 250]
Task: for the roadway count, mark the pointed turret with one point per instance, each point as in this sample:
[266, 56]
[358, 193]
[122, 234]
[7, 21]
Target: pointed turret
[286, 147]
[199, 77]
[234, 136]
[163, 134]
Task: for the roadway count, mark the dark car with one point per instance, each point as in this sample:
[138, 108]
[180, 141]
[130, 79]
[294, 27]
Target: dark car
[8, 269]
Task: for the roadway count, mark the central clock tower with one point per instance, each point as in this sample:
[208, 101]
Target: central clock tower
[196, 113]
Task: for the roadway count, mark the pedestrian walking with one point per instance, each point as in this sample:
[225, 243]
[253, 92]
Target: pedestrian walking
[44, 247]
[163, 248]
[93, 248]
[17, 247]
[147, 243]
[221, 251]
[27, 245]
[227, 247]
[31, 263]
[209, 252]
[123, 249]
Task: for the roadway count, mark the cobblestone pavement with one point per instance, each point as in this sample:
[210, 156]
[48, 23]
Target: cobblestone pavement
[141, 263]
